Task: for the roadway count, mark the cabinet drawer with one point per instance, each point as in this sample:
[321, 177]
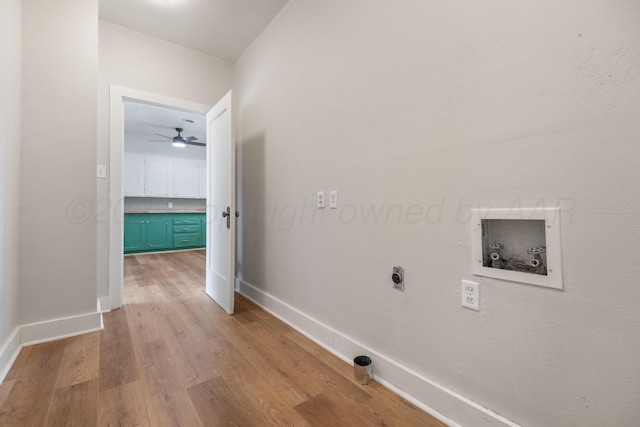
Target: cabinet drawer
[186, 229]
[186, 240]
[186, 221]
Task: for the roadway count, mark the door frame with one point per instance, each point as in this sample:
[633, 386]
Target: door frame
[117, 96]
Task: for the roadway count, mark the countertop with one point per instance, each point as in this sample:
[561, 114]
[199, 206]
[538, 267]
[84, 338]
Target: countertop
[135, 211]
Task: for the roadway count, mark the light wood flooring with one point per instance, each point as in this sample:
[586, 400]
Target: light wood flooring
[171, 357]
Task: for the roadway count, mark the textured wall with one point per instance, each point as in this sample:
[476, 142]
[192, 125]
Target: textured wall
[58, 160]
[10, 19]
[416, 111]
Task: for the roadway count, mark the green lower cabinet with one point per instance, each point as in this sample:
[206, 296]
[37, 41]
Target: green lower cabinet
[158, 234]
[133, 235]
[203, 230]
[186, 240]
[162, 232]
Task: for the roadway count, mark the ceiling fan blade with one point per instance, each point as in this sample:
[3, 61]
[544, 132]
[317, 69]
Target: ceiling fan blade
[164, 136]
[199, 144]
[192, 138]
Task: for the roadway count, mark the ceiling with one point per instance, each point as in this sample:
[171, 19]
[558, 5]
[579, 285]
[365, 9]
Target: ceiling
[143, 123]
[221, 28]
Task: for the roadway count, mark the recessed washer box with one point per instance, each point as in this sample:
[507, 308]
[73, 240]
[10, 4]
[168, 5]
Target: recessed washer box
[519, 245]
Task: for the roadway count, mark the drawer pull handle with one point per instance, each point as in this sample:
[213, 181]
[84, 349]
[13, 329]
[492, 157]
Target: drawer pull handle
[185, 241]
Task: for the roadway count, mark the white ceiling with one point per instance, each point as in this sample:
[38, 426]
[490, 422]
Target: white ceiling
[221, 28]
[143, 123]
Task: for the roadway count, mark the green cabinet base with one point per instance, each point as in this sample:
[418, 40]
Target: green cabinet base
[153, 232]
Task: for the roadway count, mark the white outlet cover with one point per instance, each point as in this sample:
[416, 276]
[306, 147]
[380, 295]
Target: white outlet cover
[321, 199]
[333, 199]
[470, 294]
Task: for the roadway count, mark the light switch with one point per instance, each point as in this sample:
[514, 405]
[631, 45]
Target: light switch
[333, 199]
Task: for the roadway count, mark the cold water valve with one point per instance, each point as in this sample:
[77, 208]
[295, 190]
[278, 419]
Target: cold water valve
[495, 255]
[536, 261]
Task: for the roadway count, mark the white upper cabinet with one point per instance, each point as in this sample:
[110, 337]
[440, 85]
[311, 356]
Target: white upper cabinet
[185, 178]
[159, 177]
[134, 175]
[153, 176]
[202, 180]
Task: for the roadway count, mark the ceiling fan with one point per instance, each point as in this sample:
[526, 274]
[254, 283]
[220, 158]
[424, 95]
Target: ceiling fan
[179, 140]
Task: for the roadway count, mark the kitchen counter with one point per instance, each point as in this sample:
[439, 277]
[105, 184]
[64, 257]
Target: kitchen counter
[137, 211]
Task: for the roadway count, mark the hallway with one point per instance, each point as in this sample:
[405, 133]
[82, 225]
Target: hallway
[172, 357]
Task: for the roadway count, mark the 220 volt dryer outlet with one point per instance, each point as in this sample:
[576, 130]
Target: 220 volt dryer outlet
[397, 276]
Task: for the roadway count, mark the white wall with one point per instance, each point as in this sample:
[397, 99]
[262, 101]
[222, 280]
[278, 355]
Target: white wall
[9, 174]
[137, 61]
[433, 107]
[58, 190]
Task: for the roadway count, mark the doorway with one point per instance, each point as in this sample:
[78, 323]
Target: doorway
[118, 97]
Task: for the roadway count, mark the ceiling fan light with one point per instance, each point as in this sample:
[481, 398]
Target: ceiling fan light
[179, 144]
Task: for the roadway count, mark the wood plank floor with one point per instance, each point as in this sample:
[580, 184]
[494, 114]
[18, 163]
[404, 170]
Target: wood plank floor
[171, 357]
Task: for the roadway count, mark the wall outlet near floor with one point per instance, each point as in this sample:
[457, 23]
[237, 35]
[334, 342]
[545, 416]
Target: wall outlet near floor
[471, 295]
[397, 277]
[170, 205]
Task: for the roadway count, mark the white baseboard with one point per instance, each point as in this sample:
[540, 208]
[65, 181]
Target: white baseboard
[50, 330]
[9, 352]
[36, 333]
[439, 401]
[104, 304]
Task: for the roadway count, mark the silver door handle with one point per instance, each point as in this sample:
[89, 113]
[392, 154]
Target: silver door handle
[227, 214]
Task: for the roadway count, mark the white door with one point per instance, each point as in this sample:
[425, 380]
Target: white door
[221, 209]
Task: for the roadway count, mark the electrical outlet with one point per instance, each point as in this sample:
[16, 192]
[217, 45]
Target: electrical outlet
[101, 171]
[397, 277]
[321, 199]
[333, 199]
[471, 295]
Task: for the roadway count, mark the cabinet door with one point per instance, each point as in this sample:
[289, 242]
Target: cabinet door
[134, 234]
[202, 180]
[185, 178]
[158, 233]
[159, 177]
[134, 173]
[203, 231]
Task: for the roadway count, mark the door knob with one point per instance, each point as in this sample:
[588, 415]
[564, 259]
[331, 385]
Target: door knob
[227, 214]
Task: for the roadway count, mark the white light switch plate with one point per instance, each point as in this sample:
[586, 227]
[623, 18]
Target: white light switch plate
[471, 295]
